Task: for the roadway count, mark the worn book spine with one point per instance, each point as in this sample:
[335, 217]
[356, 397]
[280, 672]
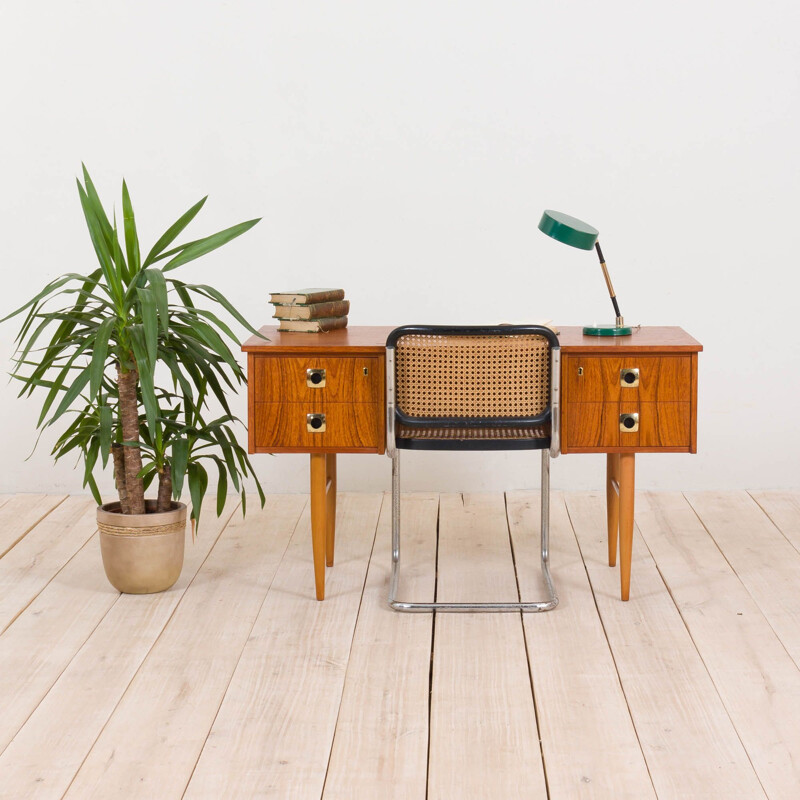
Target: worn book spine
[312, 325]
[307, 296]
[338, 308]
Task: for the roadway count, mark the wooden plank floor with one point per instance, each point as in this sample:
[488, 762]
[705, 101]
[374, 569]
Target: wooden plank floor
[237, 683]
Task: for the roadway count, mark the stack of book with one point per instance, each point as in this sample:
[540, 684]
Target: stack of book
[310, 310]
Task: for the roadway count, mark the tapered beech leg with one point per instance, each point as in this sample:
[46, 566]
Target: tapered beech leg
[627, 470]
[318, 519]
[330, 507]
[612, 505]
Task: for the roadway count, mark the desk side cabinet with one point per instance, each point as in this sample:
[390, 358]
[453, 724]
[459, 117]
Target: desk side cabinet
[317, 403]
[635, 394]
[629, 403]
[321, 394]
[321, 403]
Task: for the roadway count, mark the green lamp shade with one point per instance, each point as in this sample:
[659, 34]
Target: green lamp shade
[567, 229]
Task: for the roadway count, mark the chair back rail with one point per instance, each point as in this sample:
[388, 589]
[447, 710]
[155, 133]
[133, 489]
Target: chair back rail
[472, 376]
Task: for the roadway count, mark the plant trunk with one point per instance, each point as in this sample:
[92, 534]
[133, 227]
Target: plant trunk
[129, 417]
[117, 451]
[164, 489]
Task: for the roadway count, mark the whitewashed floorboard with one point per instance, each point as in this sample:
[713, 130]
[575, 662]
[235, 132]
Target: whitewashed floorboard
[27, 568]
[39, 645]
[151, 743]
[273, 734]
[760, 685]
[690, 745]
[588, 739]
[135, 697]
[483, 736]
[380, 748]
[20, 513]
[74, 711]
[763, 558]
[783, 508]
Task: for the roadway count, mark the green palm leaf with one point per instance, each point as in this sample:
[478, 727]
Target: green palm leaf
[99, 355]
[173, 232]
[131, 238]
[209, 243]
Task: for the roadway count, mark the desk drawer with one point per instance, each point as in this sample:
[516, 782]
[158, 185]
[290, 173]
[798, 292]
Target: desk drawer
[597, 426]
[664, 425]
[343, 379]
[594, 379]
[347, 426]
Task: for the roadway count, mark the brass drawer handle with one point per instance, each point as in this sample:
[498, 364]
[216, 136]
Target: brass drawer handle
[315, 423]
[629, 423]
[315, 378]
[629, 378]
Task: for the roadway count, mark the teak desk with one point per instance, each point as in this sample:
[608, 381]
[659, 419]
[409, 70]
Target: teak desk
[323, 394]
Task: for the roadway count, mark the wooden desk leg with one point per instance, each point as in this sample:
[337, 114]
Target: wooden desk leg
[330, 507]
[612, 505]
[627, 471]
[318, 519]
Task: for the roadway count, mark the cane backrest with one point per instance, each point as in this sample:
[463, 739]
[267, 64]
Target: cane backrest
[472, 377]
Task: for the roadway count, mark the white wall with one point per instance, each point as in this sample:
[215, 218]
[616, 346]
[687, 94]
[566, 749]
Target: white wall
[405, 151]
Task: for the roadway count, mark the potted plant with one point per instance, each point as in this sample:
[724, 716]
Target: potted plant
[128, 364]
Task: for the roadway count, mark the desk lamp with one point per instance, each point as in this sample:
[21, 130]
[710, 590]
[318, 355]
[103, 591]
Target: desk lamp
[575, 233]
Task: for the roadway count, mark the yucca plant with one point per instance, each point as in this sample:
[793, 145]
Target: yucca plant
[122, 328]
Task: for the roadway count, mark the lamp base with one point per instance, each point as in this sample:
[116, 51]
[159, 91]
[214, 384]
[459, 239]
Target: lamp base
[607, 330]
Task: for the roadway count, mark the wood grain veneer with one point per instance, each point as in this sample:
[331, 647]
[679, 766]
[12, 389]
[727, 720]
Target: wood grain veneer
[665, 397]
[590, 426]
[350, 428]
[660, 378]
[362, 339]
[282, 379]
[372, 339]
[660, 425]
[655, 339]
[693, 419]
[594, 427]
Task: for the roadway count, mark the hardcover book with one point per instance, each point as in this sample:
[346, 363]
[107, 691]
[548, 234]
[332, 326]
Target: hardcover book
[337, 308]
[307, 296]
[312, 325]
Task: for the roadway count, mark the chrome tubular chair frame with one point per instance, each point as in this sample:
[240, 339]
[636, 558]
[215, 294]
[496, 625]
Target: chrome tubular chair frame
[552, 450]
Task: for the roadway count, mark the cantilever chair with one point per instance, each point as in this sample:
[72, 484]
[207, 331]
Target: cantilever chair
[472, 388]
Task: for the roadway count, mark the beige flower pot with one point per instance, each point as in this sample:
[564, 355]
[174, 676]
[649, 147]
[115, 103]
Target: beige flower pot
[142, 553]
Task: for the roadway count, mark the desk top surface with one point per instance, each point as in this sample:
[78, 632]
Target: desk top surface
[364, 339]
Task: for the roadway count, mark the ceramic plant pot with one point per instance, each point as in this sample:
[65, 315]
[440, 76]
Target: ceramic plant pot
[142, 553]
